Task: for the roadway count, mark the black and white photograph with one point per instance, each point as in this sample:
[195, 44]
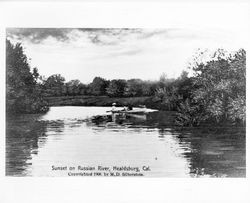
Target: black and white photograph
[114, 101]
[124, 102]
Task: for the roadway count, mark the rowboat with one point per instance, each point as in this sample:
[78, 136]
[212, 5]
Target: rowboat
[133, 111]
[129, 111]
[122, 114]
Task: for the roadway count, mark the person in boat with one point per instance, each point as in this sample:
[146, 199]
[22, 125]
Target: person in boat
[125, 108]
[130, 107]
[113, 106]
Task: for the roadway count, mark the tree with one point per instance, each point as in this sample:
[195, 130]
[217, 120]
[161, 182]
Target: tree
[116, 88]
[134, 87]
[22, 91]
[184, 75]
[83, 89]
[98, 86]
[72, 87]
[237, 102]
[219, 93]
[164, 80]
[54, 85]
[168, 97]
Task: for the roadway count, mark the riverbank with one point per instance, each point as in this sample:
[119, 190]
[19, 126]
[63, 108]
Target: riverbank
[150, 102]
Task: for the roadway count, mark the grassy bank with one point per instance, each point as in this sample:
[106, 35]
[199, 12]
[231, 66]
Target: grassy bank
[102, 101]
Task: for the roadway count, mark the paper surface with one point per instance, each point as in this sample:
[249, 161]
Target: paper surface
[214, 24]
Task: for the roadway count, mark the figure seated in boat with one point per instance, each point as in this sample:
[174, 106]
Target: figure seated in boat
[130, 108]
[114, 107]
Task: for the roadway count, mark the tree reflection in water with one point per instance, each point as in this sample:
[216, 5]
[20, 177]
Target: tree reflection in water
[214, 152]
[25, 134]
[217, 152]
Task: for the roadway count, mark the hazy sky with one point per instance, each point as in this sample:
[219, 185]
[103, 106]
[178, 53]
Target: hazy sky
[116, 53]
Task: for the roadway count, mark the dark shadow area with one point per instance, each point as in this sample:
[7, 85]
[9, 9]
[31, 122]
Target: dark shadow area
[25, 134]
[218, 152]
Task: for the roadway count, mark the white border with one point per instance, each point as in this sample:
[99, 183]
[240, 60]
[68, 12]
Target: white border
[143, 15]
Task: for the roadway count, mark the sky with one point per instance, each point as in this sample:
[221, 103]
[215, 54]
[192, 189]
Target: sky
[112, 53]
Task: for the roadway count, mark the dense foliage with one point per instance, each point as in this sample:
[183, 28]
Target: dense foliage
[218, 91]
[215, 93]
[23, 93]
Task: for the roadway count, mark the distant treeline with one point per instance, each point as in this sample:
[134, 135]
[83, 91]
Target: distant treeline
[55, 85]
[215, 92]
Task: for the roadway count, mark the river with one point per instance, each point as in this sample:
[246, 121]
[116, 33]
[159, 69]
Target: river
[69, 137]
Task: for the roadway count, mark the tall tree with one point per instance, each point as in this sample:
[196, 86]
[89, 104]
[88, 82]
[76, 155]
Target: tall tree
[22, 91]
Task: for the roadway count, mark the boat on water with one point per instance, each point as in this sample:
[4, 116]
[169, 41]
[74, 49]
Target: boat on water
[132, 111]
[120, 113]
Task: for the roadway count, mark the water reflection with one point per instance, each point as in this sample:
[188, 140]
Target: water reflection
[21, 140]
[219, 153]
[25, 135]
[90, 136]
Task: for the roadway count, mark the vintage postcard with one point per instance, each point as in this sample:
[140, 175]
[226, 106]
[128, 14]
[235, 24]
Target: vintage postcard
[153, 94]
[124, 102]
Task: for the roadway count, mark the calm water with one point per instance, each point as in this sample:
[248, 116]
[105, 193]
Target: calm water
[68, 136]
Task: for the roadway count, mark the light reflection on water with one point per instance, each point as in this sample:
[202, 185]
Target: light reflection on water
[67, 136]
